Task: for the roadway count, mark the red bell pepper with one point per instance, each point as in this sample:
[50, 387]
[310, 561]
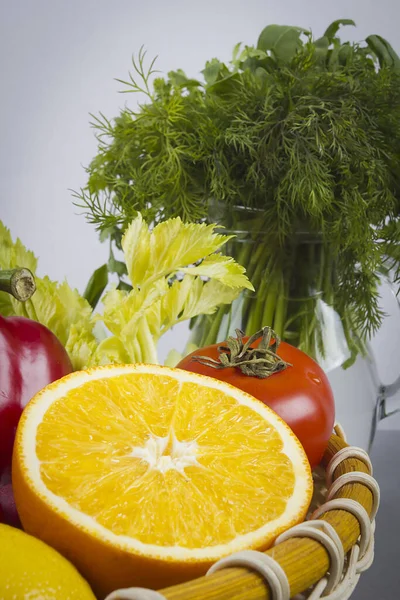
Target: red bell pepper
[31, 357]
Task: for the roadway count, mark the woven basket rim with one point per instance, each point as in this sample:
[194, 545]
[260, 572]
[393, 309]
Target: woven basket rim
[305, 561]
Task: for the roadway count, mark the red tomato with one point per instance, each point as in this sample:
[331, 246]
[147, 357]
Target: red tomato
[300, 394]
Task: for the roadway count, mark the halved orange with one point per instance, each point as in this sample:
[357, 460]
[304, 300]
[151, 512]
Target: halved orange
[144, 476]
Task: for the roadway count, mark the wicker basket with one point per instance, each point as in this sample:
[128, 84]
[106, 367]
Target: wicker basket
[321, 558]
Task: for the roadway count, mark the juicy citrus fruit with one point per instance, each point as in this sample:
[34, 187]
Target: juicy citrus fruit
[144, 475]
[31, 569]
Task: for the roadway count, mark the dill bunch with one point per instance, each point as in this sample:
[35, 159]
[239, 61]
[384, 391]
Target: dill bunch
[304, 132]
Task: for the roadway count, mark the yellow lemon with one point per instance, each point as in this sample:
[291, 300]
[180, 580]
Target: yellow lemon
[144, 476]
[31, 569]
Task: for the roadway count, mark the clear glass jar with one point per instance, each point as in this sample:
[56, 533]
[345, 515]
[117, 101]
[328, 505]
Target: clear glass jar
[297, 301]
[293, 290]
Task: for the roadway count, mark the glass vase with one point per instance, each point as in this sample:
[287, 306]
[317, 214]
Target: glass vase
[293, 291]
[296, 298]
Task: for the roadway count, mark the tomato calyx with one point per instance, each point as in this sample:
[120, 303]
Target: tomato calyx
[262, 361]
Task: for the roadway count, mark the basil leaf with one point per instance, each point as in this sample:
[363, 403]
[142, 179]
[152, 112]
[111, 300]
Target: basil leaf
[213, 71]
[96, 285]
[383, 50]
[321, 49]
[178, 79]
[345, 53]
[335, 26]
[227, 85]
[282, 40]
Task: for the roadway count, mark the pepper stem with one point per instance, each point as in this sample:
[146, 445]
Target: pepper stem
[20, 283]
[260, 362]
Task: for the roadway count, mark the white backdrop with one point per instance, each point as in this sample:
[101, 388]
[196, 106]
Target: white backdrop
[58, 63]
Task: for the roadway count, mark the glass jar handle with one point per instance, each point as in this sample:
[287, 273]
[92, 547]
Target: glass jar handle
[390, 399]
[389, 395]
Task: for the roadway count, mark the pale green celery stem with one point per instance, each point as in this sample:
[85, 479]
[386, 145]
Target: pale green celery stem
[32, 311]
[138, 352]
[147, 343]
[149, 351]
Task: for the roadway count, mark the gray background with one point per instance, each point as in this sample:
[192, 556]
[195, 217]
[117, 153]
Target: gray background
[58, 61]
[382, 580]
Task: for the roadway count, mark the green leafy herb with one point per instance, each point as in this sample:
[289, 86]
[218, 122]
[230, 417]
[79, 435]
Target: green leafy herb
[305, 131]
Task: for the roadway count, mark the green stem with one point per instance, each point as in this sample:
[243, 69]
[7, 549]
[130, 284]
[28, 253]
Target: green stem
[255, 260]
[311, 288]
[256, 315]
[202, 329]
[260, 361]
[348, 329]
[324, 267]
[137, 351]
[20, 283]
[213, 332]
[281, 308]
[147, 344]
[244, 255]
[327, 284]
[251, 301]
[317, 288]
[205, 328]
[324, 284]
[198, 327]
[260, 271]
[270, 301]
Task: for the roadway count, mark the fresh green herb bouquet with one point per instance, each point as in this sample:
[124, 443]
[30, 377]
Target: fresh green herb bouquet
[295, 147]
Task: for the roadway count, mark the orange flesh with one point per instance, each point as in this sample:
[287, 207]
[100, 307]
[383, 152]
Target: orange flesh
[165, 462]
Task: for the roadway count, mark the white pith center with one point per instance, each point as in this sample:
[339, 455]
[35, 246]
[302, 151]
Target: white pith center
[166, 453]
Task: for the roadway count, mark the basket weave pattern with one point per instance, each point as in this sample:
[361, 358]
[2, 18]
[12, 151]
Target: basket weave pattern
[320, 558]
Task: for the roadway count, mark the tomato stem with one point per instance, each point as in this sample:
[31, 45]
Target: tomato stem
[262, 361]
